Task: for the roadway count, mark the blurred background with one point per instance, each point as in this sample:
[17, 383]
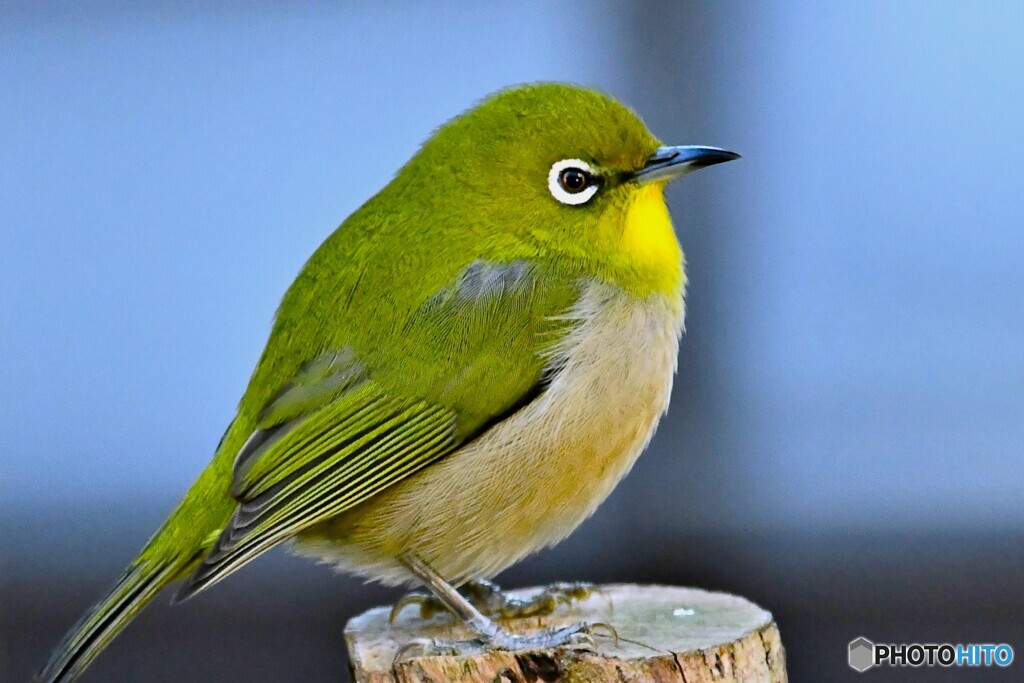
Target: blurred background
[846, 438]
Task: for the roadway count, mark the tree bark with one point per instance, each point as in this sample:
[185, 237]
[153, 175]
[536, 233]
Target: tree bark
[683, 635]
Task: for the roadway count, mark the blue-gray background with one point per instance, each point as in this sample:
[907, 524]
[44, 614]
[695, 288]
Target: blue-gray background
[846, 438]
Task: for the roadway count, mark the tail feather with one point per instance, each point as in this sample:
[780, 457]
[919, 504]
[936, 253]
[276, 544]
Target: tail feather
[171, 554]
[87, 638]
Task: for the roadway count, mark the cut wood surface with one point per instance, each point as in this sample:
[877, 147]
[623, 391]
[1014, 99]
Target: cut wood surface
[684, 635]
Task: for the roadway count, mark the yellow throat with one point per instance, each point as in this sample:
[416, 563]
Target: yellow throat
[649, 243]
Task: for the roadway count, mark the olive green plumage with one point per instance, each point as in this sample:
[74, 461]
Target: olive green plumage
[431, 314]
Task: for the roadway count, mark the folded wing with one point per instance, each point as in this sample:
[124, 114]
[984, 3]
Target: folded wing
[346, 427]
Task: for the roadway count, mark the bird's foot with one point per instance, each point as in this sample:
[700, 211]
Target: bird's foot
[578, 637]
[489, 635]
[507, 605]
[492, 601]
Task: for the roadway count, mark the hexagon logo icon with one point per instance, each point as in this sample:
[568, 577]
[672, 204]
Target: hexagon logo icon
[862, 654]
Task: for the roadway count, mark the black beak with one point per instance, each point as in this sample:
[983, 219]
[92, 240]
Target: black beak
[671, 162]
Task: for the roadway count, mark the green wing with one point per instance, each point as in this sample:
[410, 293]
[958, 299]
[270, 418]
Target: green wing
[355, 420]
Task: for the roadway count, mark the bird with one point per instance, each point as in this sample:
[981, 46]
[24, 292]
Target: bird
[457, 377]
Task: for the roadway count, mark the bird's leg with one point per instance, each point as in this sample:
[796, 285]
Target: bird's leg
[492, 601]
[482, 594]
[488, 633]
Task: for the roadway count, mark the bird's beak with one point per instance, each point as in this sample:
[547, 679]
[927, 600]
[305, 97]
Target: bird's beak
[671, 162]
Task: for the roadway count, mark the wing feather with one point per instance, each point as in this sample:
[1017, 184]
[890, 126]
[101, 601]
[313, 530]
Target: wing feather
[325, 466]
[348, 425]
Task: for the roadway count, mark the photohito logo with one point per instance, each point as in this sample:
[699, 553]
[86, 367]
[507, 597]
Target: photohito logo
[863, 654]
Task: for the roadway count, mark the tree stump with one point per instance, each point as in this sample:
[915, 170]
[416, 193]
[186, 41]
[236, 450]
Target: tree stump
[683, 635]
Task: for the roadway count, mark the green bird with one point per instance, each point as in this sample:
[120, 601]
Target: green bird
[458, 376]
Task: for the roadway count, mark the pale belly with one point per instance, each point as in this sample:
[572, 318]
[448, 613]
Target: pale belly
[532, 479]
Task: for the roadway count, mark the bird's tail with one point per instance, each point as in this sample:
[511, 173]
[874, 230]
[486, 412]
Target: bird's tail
[97, 627]
[171, 554]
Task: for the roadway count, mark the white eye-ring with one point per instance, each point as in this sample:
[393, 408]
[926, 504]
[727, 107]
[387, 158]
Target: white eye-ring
[572, 181]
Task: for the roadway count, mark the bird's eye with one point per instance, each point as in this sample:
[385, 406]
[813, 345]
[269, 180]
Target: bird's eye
[572, 181]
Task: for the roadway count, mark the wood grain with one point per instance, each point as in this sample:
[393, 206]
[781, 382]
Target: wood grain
[682, 635]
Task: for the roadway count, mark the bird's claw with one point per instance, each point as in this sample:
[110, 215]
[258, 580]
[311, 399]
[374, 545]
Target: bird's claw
[494, 602]
[577, 637]
[420, 599]
[582, 641]
[425, 647]
[609, 630]
[544, 602]
[573, 636]
[490, 600]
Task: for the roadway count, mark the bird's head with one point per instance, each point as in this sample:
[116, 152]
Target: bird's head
[566, 172]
